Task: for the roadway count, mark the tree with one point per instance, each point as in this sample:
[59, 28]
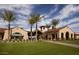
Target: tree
[54, 23]
[8, 16]
[47, 26]
[37, 18]
[31, 22]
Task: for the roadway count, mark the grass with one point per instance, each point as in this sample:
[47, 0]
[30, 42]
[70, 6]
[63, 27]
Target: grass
[70, 41]
[36, 48]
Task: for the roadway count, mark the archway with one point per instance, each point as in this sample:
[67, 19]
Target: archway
[53, 36]
[67, 35]
[46, 37]
[71, 36]
[17, 35]
[62, 35]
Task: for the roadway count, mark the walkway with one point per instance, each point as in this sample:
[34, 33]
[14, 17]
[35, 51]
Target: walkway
[65, 44]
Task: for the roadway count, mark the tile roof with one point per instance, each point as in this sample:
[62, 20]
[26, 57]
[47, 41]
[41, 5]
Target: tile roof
[55, 29]
[2, 29]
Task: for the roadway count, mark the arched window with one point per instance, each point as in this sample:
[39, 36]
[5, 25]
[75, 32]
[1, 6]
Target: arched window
[17, 35]
[62, 35]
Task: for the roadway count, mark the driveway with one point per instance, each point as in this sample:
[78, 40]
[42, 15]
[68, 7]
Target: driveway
[65, 44]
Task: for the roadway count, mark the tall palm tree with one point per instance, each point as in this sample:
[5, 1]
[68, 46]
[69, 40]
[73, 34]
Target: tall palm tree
[8, 16]
[54, 23]
[37, 18]
[31, 22]
[47, 26]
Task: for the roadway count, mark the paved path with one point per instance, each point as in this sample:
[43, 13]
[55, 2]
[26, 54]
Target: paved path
[66, 44]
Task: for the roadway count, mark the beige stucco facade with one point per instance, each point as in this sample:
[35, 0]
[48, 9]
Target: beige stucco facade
[64, 31]
[14, 30]
[76, 35]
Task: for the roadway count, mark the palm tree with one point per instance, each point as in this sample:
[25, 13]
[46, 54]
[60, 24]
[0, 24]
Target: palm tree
[37, 18]
[31, 22]
[54, 23]
[47, 26]
[8, 16]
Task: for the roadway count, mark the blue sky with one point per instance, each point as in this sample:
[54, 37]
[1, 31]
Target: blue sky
[68, 14]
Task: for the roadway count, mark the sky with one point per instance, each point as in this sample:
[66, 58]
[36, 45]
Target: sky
[68, 14]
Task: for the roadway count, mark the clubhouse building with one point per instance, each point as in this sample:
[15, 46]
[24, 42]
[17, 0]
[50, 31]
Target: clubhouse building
[16, 33]
[63, 33]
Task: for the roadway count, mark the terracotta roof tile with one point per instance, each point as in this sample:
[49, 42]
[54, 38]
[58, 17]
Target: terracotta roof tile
[55, 29]
[2, 29]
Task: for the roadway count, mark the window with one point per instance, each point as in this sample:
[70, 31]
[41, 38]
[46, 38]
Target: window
[16, 33]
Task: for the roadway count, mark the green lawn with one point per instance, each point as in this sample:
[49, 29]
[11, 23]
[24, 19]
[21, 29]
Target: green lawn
[70, 41]
[36, 48]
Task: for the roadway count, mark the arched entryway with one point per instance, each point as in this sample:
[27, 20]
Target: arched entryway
[62, 36]
[53, 36]
[71, 36]
[67, 35]
[46, 37]
[17, 35]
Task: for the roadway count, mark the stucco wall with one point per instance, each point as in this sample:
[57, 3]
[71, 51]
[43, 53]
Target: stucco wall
[64, 30]
[76, 35]
[5, 35]
[14, 30]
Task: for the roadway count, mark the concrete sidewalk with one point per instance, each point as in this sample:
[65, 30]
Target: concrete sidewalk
[65, 44]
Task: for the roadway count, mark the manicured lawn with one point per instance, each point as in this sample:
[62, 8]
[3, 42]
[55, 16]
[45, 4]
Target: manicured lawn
[36, 48]
[70, 41]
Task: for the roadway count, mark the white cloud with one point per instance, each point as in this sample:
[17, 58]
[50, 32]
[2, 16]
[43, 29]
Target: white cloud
[64, 23]
[67, 11]
[44, 20]
[24, 9]
[75, 24]
[51, 12]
